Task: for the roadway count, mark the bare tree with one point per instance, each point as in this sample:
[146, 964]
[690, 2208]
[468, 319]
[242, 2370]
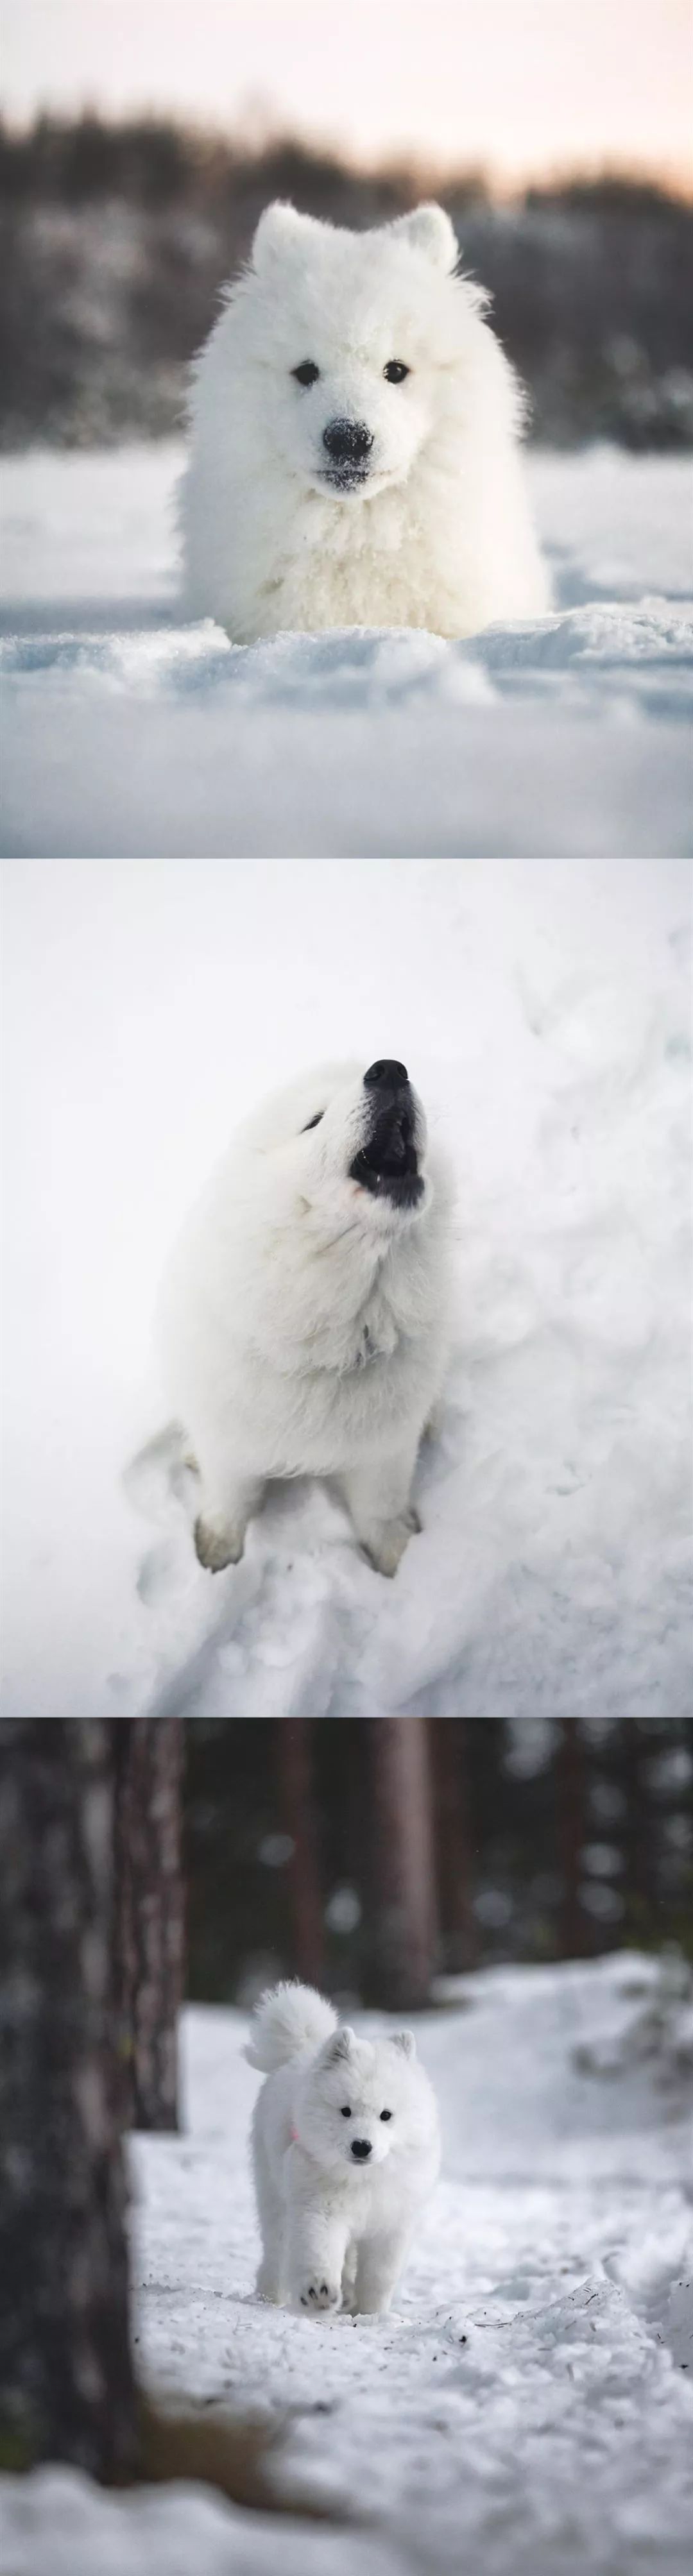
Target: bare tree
[295, 1768]
[66, 2384]
[639, 1881]
[150, 1916]
[448, 1741]
[404, 1906]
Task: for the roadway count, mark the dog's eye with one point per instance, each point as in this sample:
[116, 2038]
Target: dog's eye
[395, 372]
[306, 374]
[313, 1122]
[346, 2114]
[386, 2115]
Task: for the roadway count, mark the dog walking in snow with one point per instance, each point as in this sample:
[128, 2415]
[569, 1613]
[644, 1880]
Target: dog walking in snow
[354, 449]
[345, 2151]
[304, 1316]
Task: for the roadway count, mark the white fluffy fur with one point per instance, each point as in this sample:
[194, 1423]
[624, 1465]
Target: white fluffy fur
[303, 1321]
[439, 535]
[336, 2231]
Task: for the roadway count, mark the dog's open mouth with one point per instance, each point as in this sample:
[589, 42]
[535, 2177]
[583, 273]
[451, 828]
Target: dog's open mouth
[387, 1165]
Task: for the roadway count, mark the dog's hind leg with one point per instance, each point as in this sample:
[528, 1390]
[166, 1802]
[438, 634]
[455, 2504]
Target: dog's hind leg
[377, 1496]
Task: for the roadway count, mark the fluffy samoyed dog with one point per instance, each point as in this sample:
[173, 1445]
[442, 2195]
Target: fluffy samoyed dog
[303, 1320]
[345, 2150]
[355, 441]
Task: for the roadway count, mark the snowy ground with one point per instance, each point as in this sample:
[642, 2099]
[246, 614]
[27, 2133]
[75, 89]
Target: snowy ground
[527, 2409]
[544, 1012]
[125, 731]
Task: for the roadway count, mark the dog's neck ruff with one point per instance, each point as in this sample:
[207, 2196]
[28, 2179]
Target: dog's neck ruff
[370, 1350]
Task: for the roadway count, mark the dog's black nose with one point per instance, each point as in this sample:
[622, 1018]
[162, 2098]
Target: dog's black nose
[360, 2148]
[391, 1075]
[348, 442]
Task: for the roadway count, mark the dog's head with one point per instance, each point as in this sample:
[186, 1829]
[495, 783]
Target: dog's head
[351, 1145]
[363, 2100]
[352, 335]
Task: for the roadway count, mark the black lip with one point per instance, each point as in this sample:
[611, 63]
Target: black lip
[345, 482]
[387, 1164]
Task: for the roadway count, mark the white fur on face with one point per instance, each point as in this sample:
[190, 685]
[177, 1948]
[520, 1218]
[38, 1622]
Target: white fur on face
[311, 298]
[360, 2078]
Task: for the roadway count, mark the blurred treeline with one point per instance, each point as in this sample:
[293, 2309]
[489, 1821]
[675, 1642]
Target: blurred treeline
[115, 240]
[548, 1839]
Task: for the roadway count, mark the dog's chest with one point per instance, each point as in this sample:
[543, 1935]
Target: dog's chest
[378, 2201]
[343, 568]
[378, 1334]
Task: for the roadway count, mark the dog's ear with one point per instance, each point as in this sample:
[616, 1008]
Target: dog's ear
[340, 2045]
[429, 229]
[281, 231]
[405, 2040]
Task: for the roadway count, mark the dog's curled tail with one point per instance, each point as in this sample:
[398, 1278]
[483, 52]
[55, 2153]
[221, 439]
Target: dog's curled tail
[287, 2021]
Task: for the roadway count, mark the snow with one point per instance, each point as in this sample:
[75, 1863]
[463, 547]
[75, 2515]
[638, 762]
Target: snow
[525, 2410]
[543, 1009]
[126, 732]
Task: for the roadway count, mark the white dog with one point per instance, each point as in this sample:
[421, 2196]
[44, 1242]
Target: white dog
[345, 2150]
[354, 441]
[304, 1315]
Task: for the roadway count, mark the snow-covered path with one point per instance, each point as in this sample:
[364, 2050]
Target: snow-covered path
[527, 2409]
[126, 732]
[544, 1013]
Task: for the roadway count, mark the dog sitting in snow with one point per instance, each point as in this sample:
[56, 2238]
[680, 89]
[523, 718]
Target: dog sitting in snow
[354, 452]
[304, 1316]
[345, 2151]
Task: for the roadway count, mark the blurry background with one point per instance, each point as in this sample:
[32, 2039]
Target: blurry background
[368, 1856]
[141, 139]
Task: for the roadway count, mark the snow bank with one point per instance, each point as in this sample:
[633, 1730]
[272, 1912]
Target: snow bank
[127, 733]
[524, 2412]
[544, 1012]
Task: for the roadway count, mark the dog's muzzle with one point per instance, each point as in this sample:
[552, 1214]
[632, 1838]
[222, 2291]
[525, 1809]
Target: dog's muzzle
[386, 1163]
[347, 445]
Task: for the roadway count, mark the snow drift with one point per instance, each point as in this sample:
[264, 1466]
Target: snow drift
[128, 732]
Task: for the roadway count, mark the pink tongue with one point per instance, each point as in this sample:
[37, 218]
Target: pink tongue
[293, 2134]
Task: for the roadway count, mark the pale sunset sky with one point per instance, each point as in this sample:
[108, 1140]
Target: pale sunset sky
[524, 86]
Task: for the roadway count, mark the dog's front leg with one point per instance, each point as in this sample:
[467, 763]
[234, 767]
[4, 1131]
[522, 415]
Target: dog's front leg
[379, 2265]
[228, 1501]
[316, 2245]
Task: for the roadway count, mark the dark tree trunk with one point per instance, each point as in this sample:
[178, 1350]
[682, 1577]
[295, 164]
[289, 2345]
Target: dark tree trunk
[150, 1917]
[402, 1861]
[637, 1827]
[571, 1792]
[66, 2386]
[448, 1741]
[299, 1821]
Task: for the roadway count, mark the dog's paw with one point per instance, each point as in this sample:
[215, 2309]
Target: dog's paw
[316, 2296]
[217, 1545]
[385, 1551]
